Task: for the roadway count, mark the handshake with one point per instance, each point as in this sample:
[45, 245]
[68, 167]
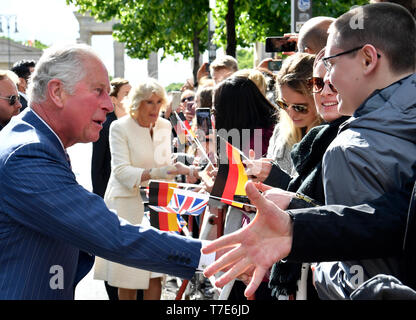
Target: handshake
[169, 172]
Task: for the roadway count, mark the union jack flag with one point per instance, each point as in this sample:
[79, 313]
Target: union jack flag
[188, 202]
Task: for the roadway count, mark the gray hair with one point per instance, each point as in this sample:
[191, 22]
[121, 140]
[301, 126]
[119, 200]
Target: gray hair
[65, 63]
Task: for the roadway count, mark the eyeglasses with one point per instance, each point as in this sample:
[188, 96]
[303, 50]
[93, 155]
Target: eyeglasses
[328, 64]
[318, 85]
[191, 98]
[12, 99]
[297, 107]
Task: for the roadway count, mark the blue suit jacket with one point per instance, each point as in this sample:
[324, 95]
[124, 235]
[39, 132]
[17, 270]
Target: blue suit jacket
[50, 226]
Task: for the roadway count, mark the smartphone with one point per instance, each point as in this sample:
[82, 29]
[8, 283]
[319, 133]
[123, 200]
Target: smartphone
[203, 120]
[176, 99]
[280, 44]
[274, 65]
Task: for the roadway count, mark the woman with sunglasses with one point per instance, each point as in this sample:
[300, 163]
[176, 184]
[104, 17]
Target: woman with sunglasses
[297, 112]
[187, 105]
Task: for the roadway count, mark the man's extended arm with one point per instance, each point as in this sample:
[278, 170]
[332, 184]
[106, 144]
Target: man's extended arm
[328, 234]
[332, 233]
[40, 193]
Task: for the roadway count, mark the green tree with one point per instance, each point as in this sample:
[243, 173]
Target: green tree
[177, 27]
[245, 58]
[175, 86]
[180, 27]
[254, 20]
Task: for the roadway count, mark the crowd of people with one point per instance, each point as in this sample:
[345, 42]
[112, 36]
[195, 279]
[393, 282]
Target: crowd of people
[329, 148]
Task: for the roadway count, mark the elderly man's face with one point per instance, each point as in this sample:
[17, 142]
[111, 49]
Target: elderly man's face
[86, 110]
[7, 111]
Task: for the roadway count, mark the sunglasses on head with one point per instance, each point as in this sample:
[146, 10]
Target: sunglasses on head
[318, 85]
[297, 107]
[12, 99]
[191, 98]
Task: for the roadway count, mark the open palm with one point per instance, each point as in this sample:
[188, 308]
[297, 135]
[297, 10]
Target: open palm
[266, 240]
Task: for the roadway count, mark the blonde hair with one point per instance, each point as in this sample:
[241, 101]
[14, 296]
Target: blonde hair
[254, 75]
[295, 73]
[143, 91]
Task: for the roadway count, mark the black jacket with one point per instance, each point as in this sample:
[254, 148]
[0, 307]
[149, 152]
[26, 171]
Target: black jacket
[381, 228]
[307, 159]
[101, 158]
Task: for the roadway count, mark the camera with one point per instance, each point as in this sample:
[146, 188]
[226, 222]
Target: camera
[280, 44]
[274, 65]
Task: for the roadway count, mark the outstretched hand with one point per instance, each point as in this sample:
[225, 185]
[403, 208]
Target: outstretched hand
[266, 240]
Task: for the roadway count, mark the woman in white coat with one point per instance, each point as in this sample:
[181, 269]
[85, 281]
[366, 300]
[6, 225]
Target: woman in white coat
[140, 145]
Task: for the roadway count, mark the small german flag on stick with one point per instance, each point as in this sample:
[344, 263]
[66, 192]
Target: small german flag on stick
[231, 177]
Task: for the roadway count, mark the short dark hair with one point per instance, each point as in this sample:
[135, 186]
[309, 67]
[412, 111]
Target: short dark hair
[116, 84]
[314, 33]
[22, 68]
[387, 26]
[408, 4]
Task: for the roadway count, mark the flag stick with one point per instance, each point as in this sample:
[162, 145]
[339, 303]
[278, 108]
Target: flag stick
[195, 140]
[239, 151]
[186, 232]
[219, 198]
[180, 184]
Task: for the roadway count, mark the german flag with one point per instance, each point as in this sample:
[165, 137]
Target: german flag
[160, 192]
[231, 177]
[165, 220]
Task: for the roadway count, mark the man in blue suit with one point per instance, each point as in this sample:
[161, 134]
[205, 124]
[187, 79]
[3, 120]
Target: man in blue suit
[50, 226]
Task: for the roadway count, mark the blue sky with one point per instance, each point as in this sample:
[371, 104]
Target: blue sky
[53, 22]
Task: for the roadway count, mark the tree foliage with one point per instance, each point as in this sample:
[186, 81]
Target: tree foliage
[257, 19]
[181, 26]
[245, 58]
[149, 25]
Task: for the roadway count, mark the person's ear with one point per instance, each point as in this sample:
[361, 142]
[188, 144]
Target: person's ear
[114, 100]
[309, 50]
[56, 92]
[370, 58]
